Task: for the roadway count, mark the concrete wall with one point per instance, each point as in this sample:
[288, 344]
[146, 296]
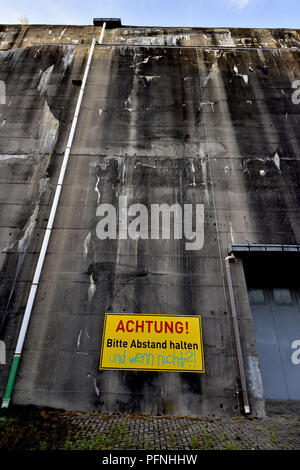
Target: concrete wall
[161, 121]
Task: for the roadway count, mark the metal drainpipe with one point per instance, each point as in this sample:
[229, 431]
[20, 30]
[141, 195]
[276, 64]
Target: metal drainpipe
[18, 351]
[237, 336]
[102, 33]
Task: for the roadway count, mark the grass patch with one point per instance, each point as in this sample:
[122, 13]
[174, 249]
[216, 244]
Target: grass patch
[104, 441]
[228, 444]
[26, 428]
[273, 432]
[208, 442]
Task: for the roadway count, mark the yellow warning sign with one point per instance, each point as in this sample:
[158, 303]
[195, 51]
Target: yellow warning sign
[152, 342]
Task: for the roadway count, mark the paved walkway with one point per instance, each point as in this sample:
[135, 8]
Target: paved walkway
[45, 430]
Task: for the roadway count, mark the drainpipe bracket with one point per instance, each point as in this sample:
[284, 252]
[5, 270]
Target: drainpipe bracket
[5, 403]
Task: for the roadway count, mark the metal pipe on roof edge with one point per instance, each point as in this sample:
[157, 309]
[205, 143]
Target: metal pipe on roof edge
[237, 336]
[39, 267]
[102, 32]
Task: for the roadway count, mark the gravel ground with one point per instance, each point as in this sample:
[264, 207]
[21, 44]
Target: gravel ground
[35, 429]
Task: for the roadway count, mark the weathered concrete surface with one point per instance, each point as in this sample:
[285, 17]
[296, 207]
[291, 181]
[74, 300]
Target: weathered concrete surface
[12, 36]
[15, 36]
[158, 124]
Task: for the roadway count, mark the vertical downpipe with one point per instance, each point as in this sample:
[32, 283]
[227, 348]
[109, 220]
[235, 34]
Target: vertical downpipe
[102, 33]
[18, 351]
[237, 336]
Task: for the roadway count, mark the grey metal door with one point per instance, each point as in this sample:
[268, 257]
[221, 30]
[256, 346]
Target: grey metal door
[276, 317]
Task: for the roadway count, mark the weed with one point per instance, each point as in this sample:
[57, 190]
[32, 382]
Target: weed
[99, 441]
[172, 440]
[43, 445]
[208, 442]
[139, 445]
[232, 446]
[222, 439]
[195, 442]
[227, 444]
[273, 435]
[147, 442]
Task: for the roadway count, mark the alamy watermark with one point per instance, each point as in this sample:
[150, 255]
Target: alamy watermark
[161, 222]
[296, 94]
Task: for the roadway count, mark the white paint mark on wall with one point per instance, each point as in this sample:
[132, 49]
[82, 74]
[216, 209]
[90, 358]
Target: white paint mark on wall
[48, 131]
[92, 288]
[9, 247]
[232, 233]
[97, 189]
[4, 34]
[2, 353]
[193, 174]
[145, 61]
[204, 173]
[243, 76]
[208, 103]
[261, 55]
[43, 185]
[37, 54]
[62, 33]
[123, 173]
[2, 92]
[211, 74]
[127, 103]
[225, 39]
[24, 241]
[45, 78]
[79, 338]
[144, 164]
[13, 157]
[68, 56]
[96, 388]
[149, 78]
[174, 39]
[254, 377]
[276, 160]
[86, 244]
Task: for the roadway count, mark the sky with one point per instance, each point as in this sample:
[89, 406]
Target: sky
[201, 13]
